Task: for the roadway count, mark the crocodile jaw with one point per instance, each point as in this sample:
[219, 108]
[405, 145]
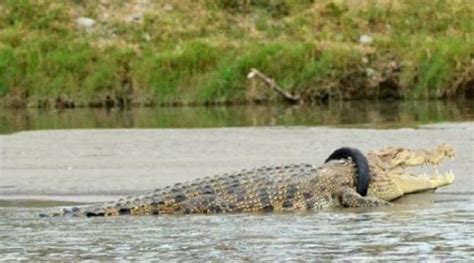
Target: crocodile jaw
[409, 183]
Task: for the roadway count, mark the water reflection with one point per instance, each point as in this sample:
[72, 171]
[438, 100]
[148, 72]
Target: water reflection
[372, 114]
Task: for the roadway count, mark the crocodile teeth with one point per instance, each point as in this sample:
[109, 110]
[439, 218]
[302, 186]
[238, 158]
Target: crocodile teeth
[450, 173]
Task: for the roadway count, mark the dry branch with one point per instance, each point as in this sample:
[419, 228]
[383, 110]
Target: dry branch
[254, 73]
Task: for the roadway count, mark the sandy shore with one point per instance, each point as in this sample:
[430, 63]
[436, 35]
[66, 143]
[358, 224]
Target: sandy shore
[95, 165]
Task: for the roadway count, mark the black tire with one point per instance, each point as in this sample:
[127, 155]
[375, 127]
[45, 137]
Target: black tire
[361, 163]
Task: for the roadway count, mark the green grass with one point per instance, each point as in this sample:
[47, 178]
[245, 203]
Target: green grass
[199, 52]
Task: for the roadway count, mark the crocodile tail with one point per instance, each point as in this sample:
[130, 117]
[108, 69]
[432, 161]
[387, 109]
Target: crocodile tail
[361, 163]
[87, 211]
[73, 211]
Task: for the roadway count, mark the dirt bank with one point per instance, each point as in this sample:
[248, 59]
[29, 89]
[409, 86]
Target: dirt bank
[66, 54]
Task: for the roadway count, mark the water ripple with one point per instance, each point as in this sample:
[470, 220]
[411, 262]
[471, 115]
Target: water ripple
[434, 232]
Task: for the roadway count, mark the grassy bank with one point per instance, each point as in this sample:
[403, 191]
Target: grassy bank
[199, 52]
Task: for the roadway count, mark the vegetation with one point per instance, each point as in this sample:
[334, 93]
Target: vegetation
[200, 51]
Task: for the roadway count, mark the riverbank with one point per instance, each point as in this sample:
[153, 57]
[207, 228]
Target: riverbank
[142, 53]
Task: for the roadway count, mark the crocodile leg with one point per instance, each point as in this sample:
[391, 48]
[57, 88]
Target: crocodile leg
[350, 198]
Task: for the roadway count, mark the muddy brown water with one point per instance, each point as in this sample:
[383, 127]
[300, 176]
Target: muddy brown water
[44, 169]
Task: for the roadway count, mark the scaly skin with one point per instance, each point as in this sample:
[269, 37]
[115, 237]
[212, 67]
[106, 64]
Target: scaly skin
[287, 188]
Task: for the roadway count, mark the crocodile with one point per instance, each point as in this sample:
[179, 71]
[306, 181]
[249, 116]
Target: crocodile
[346, 179]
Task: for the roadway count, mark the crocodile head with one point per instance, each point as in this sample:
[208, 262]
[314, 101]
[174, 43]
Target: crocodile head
[391, 180]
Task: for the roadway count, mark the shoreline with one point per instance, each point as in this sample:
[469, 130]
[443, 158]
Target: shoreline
[95, 165]
[48, 103]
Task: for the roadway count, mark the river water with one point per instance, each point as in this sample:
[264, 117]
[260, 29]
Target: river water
[432, 231]
[368, 114]
[59, 167]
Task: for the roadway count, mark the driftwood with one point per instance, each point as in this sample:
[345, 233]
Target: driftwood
[254, 73]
